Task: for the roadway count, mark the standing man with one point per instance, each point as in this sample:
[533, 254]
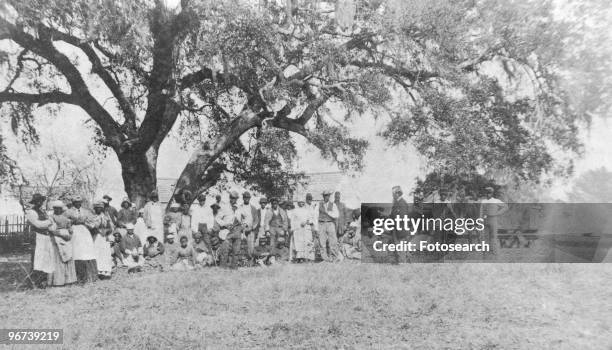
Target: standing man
[276, 226]
[443, 209]
[341, 222]
[232, 220]
[154, 217]
[399, 208]
[313, 210]
[259, 229]
[327, 216]
[201, 216]
[251, 217]
[259, 217]
[109, 210]
[491, 209]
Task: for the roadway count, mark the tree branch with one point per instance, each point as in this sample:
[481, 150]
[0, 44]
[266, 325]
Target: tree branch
[98, 68]
[297, 125]
[43, 46]
[114, 58]
[20, 59]
[40, 98]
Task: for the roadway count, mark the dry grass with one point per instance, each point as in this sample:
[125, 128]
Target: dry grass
[349, 305]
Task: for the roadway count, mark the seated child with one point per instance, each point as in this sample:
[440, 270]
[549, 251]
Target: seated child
[185, 256]
[153, 252]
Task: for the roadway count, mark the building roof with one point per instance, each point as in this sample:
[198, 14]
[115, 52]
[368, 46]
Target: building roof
[165, 188]
[316, 183]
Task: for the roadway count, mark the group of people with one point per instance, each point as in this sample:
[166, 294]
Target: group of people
[446, 204]
[78, 245]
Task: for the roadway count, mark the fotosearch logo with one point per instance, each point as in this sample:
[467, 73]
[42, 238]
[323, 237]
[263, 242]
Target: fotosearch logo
[406, 246]
[413, 225]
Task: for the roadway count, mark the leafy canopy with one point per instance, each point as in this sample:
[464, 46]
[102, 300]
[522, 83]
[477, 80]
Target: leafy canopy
[474, 85]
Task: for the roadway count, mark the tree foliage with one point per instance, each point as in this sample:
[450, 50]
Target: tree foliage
[459, 186]
[474, 85]
[8, 167]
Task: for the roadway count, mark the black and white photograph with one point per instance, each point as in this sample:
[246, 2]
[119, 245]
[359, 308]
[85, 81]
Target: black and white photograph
[306, 174]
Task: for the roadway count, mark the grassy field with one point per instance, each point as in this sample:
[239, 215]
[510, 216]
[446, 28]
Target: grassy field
[337, 306]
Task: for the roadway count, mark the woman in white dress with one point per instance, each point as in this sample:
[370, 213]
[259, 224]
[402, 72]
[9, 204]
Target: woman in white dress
[43, 251]
[83, 251]
[302, 245]
[140, 228]
[100, 225]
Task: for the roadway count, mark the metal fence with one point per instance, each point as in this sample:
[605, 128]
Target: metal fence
[15, 234]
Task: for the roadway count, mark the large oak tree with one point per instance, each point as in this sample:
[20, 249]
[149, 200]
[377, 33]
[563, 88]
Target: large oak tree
[472, 84]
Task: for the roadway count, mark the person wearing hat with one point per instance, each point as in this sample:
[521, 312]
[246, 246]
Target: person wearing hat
[491, 209]
[184, 227]
[171, 248]
[313, 210]
[327, 216]
[131, 248]
[153, 252]
[215, 209]
[261, 215]
[68, 203]
[201, 251]
[40, 223]
[201, 216]
[140, 228]
[276, 227]
[172, 219]
[399, 208]
[101, 228]
[302, 245]
[235, 221]
[342, 220]
[251, 220]
[211, 235]
[109, 210]
[443, 209]
[64, 272]
[154, 217]
[116, 248]
[83, 251]
[126, 214]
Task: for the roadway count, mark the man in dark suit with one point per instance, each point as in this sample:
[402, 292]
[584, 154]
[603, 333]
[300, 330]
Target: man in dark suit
[400, 208]
[276, 226]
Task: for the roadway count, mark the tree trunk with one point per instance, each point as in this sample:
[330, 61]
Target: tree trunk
[202, 170]
[138, 171]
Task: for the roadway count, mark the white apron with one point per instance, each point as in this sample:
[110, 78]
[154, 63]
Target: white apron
[82, 243]
[43, 254]
[104, 253]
